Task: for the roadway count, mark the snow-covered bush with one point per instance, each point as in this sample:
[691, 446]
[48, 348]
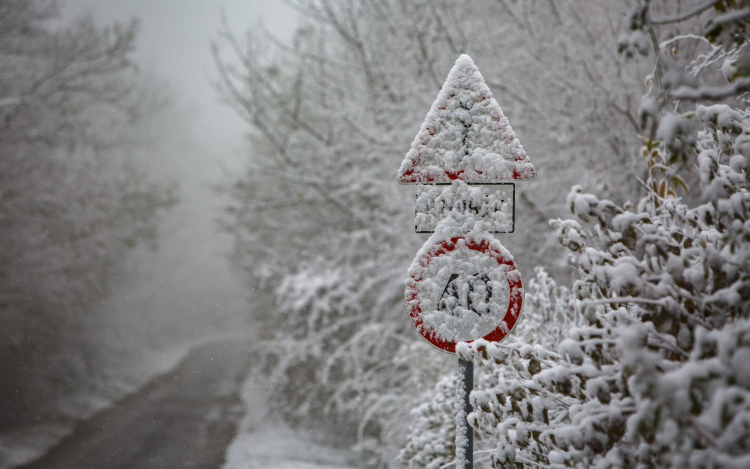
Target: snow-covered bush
[657, 373]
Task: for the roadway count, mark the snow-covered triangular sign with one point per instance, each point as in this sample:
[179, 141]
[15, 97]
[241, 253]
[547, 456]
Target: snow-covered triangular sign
[465, 136]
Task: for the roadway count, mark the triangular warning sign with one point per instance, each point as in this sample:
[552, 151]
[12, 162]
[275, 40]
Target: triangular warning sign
[465, 136]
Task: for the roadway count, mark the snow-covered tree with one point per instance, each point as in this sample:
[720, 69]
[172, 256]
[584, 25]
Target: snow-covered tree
[72, 200]
[656, 373]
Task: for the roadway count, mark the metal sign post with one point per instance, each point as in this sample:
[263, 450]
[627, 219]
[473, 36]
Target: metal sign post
[464, 433]
[464, 285]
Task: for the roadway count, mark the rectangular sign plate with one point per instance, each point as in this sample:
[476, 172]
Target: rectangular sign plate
[492, 204]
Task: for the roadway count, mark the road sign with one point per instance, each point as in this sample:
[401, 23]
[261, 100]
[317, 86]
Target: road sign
[492, 206]
[465, 136]
[464, 285]
[463, 288]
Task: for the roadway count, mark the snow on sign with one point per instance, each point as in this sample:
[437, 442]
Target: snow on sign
[463, 288]
[492, 206]
[464, 285]
[465, 136]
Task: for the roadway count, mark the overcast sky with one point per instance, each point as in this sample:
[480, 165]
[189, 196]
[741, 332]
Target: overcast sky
[174, 45]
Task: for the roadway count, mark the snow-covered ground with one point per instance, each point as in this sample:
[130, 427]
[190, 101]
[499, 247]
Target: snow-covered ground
[275, 446]
[268, 443]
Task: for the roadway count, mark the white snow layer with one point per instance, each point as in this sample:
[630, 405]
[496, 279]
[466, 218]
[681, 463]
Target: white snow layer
[266, 442]
[489, 205]
[465, 136]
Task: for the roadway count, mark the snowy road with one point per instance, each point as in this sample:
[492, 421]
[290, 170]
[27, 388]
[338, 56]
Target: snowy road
[185, 418]
[200, 415]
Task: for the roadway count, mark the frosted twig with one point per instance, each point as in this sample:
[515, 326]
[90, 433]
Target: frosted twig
[681, 37]
[695, 426]
[648, 302]
[715, 93]
[528, 461]
[688, 14]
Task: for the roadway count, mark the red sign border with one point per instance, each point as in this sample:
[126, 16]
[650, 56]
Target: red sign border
[514, 305]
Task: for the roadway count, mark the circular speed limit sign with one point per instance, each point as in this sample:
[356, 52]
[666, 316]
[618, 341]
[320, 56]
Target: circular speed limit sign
[462, 289]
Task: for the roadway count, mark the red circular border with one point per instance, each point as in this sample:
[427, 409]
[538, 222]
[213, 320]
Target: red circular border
[514, 305]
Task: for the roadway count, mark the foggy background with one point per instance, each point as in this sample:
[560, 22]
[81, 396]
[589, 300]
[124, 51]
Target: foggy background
[189, 276]
[162, 301]
[185, 291]
[173, 44]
